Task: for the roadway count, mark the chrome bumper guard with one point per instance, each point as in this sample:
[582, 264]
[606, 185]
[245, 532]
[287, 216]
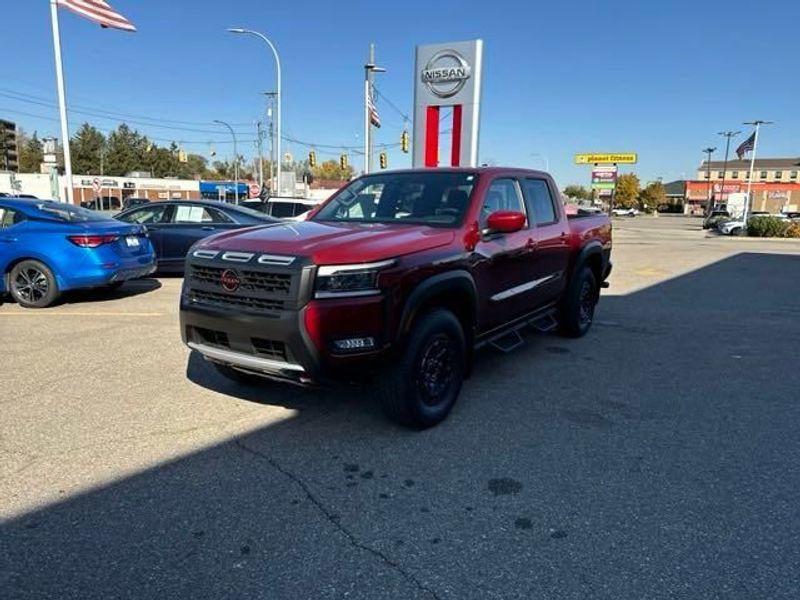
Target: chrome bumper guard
[248, 362]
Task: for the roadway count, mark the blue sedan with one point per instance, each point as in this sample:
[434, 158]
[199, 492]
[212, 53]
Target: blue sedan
[175, 225]
[48, 247]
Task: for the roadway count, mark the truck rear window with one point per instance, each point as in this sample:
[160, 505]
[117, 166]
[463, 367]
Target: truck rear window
[437, 199]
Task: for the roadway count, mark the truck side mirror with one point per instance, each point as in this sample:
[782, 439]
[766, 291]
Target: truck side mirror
[505, 221]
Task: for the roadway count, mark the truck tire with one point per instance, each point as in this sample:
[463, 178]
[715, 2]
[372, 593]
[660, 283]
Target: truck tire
[32, 284]
[577, 310]
[421, 389]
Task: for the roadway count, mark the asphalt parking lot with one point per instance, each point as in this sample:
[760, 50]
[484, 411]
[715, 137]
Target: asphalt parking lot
[658, 457]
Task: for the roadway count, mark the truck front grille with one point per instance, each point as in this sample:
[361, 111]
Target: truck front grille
[221, 299]
[253, 281]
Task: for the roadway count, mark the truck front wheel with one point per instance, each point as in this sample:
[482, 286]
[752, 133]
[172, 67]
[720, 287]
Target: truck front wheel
[421, 389]
[577, 310]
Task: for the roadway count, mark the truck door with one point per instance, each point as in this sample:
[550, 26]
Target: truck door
[503, 268]
[550, 233]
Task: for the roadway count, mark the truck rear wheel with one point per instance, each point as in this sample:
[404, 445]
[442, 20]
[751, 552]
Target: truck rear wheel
[577, 311]
[420, 391]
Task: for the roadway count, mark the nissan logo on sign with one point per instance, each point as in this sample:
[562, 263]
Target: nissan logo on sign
[230, 280]
[446, 73]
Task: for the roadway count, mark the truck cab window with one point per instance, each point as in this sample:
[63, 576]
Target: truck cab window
[540, 201]
[503, 194]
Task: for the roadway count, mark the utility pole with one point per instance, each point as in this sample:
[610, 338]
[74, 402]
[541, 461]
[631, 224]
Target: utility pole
[271, 127]
[728, 135]
[369, 78]
[757, 124]
[709, 151]
[260, 146]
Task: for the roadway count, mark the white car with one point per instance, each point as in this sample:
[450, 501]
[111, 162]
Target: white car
[625, 212]
[735, 226]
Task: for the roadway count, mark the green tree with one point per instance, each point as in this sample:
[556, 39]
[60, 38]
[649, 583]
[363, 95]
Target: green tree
[627, 193]
[31, 153]
[126, 151]
[331, 170]
[653, 196]
[87, 146]
[577, 191]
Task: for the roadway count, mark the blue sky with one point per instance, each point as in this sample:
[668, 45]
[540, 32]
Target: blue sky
[563, 77]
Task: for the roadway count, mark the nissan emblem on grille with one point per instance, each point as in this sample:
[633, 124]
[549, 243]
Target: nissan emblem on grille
[229, 280]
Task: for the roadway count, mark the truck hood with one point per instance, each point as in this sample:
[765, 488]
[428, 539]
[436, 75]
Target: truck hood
[328, 243]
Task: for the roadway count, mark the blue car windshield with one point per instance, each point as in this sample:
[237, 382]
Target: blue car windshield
[68, 212]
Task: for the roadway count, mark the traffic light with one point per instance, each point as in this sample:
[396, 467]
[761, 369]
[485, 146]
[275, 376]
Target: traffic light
[404, 142]
[343, 162]
[384, 160]
[312, 159]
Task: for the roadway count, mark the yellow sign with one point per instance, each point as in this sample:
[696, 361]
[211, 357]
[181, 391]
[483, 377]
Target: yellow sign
[623, 158]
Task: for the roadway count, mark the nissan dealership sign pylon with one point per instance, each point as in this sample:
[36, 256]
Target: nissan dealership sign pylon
[447, 76]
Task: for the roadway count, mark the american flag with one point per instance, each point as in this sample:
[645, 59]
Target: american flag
[99, 12]
[374, 118]
[747, 146]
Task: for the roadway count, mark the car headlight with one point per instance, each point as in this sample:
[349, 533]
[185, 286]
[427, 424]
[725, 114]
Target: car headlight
[339, 281]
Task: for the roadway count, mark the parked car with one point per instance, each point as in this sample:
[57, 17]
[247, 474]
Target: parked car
[104, 203]
[736, 226]
[714, 217]
[399, 273]
[48, 247]
[128, 203]
[175, 225]
[624, 212]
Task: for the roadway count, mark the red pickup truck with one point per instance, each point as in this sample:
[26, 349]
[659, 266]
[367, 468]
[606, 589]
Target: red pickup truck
[397, 278]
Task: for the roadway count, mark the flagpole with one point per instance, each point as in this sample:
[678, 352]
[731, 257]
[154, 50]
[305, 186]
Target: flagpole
[758, 123]
[62, 100]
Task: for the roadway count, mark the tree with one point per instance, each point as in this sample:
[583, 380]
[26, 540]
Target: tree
[577, 191]
[31, 153]
[126, 151]
[87, 146]
[653, 196]
[331, 170]
[627, 193]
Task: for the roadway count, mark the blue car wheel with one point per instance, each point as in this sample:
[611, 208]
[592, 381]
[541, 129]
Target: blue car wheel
[32, 284]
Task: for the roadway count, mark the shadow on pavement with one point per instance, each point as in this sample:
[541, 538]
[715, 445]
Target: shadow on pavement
[128, 289]
[656, 457]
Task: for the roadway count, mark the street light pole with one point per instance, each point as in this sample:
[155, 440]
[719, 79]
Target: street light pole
[709, 151]
[728, 135]
[278, 94]
[235, 156]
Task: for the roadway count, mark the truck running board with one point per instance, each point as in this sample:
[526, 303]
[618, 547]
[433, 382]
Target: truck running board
[508, 342]
[546, 323]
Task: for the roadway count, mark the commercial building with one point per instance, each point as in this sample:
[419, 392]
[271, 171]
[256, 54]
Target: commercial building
[9, 152]
[775, 186]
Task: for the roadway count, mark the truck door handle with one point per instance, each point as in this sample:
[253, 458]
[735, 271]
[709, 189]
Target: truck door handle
[531, 244]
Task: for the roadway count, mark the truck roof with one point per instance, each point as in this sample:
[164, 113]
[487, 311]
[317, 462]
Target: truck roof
[478, 170]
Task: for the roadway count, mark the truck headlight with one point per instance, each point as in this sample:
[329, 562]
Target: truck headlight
[339, 281]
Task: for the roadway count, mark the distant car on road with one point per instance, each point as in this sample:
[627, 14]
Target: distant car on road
[48, 247]
[106, 203]
[624, 212]
[175, 225]
[736, 226]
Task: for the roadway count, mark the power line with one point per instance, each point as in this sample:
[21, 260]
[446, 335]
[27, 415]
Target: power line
[391, 104]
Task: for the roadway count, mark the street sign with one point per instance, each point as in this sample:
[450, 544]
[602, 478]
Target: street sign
[622, 158]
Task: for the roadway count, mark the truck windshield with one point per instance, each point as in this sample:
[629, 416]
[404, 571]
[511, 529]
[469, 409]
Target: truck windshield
[430, 198]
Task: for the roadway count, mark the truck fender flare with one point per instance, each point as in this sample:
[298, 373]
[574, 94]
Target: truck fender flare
[591, 249]
[438, 284]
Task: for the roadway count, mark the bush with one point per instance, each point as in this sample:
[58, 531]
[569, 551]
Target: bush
[793, 231]
[768, 227]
